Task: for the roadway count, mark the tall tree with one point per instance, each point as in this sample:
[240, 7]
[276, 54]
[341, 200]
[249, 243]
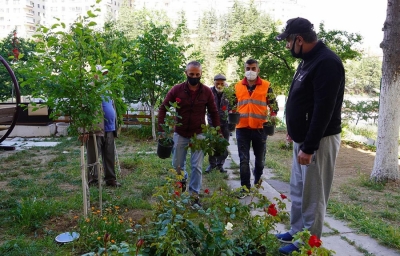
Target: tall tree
[364, 75]
[276, 63]
[386, 166]
[159, 61]
[132, 22]
[214, 30]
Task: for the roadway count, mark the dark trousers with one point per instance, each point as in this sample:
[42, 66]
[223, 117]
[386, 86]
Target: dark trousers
[106, 150]
[257, 139]
[218, 161]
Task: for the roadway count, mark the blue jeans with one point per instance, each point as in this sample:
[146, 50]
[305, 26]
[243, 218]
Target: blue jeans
[255, 137]
[196, 161]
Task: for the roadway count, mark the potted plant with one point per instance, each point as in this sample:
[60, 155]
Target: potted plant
[270, 121]
[233, 115]
[165, 141]
[211, 143]
[269, 125]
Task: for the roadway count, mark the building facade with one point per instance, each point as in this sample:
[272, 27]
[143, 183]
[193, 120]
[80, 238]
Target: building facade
[25, 16]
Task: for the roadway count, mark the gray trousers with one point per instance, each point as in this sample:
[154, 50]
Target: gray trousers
[310, 186]
[106, 150]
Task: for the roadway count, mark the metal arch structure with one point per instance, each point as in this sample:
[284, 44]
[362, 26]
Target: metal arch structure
[14, 110]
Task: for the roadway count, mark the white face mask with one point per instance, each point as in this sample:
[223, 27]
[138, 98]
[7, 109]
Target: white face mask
[219, 89]
[251, 75]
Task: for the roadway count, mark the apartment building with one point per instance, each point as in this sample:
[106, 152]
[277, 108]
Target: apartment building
[25, 15]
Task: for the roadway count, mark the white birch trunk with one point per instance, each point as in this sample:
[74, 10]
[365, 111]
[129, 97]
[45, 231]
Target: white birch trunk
[386, 166]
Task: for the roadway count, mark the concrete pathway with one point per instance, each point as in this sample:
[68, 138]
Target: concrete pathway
[23, 143]
[337, 236]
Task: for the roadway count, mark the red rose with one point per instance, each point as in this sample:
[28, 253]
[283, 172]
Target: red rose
[178, 100]
[223, 108]
[272, 210]
[178, 184]
[283, 196]
[190, 145]
[16, 53]
[314, 241]
[106, 238]
[139, 243]
[177, 193]
[207, 191]
[309, 252]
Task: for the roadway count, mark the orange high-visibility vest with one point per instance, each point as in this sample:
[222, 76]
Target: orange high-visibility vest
[253, 109]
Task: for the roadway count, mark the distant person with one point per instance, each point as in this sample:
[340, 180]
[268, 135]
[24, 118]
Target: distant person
[313, 119]
[105, 134]
[195, 99]
[217, 162]
[253, 100]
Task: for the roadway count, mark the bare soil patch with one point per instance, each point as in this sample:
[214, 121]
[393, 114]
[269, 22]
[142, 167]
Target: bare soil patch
[351, 162]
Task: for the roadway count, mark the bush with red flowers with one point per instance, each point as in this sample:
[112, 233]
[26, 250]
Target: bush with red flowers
[212, 142]
[222, 226]
[171, 120]
[311, 245]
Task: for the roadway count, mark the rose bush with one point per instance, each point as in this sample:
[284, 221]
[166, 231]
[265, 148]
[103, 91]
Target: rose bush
[211, 143]
[171, 120]
[223, 226]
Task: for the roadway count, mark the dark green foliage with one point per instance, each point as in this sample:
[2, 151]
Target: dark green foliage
[361, 110]
[25, 48]
[276, 63]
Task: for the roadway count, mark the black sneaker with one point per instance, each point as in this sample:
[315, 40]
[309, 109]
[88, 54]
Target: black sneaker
[242, 194]
[209, 169]
[183, 182]
[93, 183]
[222, 170]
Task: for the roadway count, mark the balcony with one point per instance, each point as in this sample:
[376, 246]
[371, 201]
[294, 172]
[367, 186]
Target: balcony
[29, 3]
[30, 13]
[30, 21]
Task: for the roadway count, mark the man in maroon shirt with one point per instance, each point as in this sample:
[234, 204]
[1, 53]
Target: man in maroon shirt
[195, 99]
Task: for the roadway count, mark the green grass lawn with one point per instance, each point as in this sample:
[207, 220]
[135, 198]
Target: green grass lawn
[41, 196]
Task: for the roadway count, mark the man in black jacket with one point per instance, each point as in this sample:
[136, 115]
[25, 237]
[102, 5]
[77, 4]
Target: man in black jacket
[222, 103]
[313, 119]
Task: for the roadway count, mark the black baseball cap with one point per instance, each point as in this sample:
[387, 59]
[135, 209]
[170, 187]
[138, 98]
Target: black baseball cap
[295, 26]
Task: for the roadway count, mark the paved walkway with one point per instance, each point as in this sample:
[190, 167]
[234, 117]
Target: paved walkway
[336, 236]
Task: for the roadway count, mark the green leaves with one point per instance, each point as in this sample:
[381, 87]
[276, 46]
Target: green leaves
[275, 61]
[211, 142]
[65, 75]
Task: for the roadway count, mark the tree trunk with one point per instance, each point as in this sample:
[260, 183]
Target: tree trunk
[153, 123]
[386, 166]
[85, 187]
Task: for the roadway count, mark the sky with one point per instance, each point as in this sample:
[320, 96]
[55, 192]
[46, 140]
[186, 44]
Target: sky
[354, 16]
